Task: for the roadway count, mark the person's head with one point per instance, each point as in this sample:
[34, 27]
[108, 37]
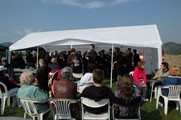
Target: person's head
[27, 78]
[140, 64]
[164, 66]
[54, 60]
[134, 51]
[66, 73]
[73, 51]
[41, 62]
[2, 69]
[125, 86]
[91, 67]
[91, 47]
[174, 71]
[129, 49]
[98, 76]
[117, 50]
[4, 61]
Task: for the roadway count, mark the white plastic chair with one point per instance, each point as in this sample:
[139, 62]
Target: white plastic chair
[173, 95]
[139, 115]
[153, 90]
[62, 108]
[131, 73]
[30, 108]
[92, 104]
[4, 96]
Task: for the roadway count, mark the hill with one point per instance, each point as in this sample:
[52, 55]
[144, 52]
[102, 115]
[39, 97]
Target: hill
[172, 48]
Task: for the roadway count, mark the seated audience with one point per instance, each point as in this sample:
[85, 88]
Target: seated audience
[12, 87]
[54, 64]
[128, 99]
[42, 75]
[30, 90]
[9, 71]
[174, 78]
[87, 79]
[66, 88]
[139, 79]
[159, 76]
[98, 92]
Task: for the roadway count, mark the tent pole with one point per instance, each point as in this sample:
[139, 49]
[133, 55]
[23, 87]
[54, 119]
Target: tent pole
[37, 53]
[111, 66]
[9, 56]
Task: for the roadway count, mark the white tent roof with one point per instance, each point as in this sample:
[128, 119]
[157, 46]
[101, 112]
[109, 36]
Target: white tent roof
[139, 36]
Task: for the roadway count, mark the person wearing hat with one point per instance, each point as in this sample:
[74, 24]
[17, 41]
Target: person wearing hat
[12, 88]
[9, 70]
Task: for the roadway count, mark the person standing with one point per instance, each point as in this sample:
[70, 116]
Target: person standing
[136, 57]
[91, 55]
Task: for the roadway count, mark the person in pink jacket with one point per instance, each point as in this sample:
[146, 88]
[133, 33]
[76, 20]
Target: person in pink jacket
[139, 78]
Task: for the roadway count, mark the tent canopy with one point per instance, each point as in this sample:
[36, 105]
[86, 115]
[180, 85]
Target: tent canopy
[139, 36]
[145, 37]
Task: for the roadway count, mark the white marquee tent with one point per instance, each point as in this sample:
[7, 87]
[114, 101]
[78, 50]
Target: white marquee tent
[144, 38]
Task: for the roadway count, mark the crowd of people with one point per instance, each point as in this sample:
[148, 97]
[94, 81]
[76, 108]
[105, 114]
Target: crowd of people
[55, 78]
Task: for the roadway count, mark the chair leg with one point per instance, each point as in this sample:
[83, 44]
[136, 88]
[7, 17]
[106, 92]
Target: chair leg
[155, 91]
[40, 117]
[157, 100]
[177, 105]
[3, 103]
[165, 106]
[25, 115]
[8, 101]
[151, 92]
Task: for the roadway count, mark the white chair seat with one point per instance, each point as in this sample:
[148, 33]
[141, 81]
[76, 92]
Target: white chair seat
[92, 116]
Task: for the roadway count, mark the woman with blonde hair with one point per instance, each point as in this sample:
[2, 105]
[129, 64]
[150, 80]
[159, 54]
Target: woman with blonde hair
[128, 99]
[30, 90]
[174, 78]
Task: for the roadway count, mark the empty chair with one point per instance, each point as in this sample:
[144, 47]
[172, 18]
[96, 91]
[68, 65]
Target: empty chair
[173, 95]
[86, 102]
[30, 108]
[62, 108]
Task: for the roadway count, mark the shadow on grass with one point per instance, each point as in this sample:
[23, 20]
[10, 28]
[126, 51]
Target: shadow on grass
[153, 115]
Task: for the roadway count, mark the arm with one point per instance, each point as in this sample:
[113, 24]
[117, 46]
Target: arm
[39, 94]
[136, 76]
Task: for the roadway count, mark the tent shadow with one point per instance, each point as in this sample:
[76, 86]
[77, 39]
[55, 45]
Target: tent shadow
[153, 115]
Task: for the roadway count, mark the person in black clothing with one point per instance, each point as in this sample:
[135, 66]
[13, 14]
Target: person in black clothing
[91, 55]
[136, 57]
[11, 87]
[98, 92]
[42, 75]
[9, 69]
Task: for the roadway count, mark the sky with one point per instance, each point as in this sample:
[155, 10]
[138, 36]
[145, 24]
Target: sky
[21, 17]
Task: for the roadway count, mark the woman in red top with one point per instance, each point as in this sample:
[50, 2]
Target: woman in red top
[139, 78]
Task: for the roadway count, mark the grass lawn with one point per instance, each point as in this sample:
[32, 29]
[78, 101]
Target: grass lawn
[148, 110]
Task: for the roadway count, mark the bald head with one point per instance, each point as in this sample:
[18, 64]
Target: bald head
[41, 62]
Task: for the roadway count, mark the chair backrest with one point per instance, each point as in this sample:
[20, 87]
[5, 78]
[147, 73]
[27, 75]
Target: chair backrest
[29, 106]
[131, 73]
[5, 89]
[174, 91]
[93, 104]
[62, 107]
